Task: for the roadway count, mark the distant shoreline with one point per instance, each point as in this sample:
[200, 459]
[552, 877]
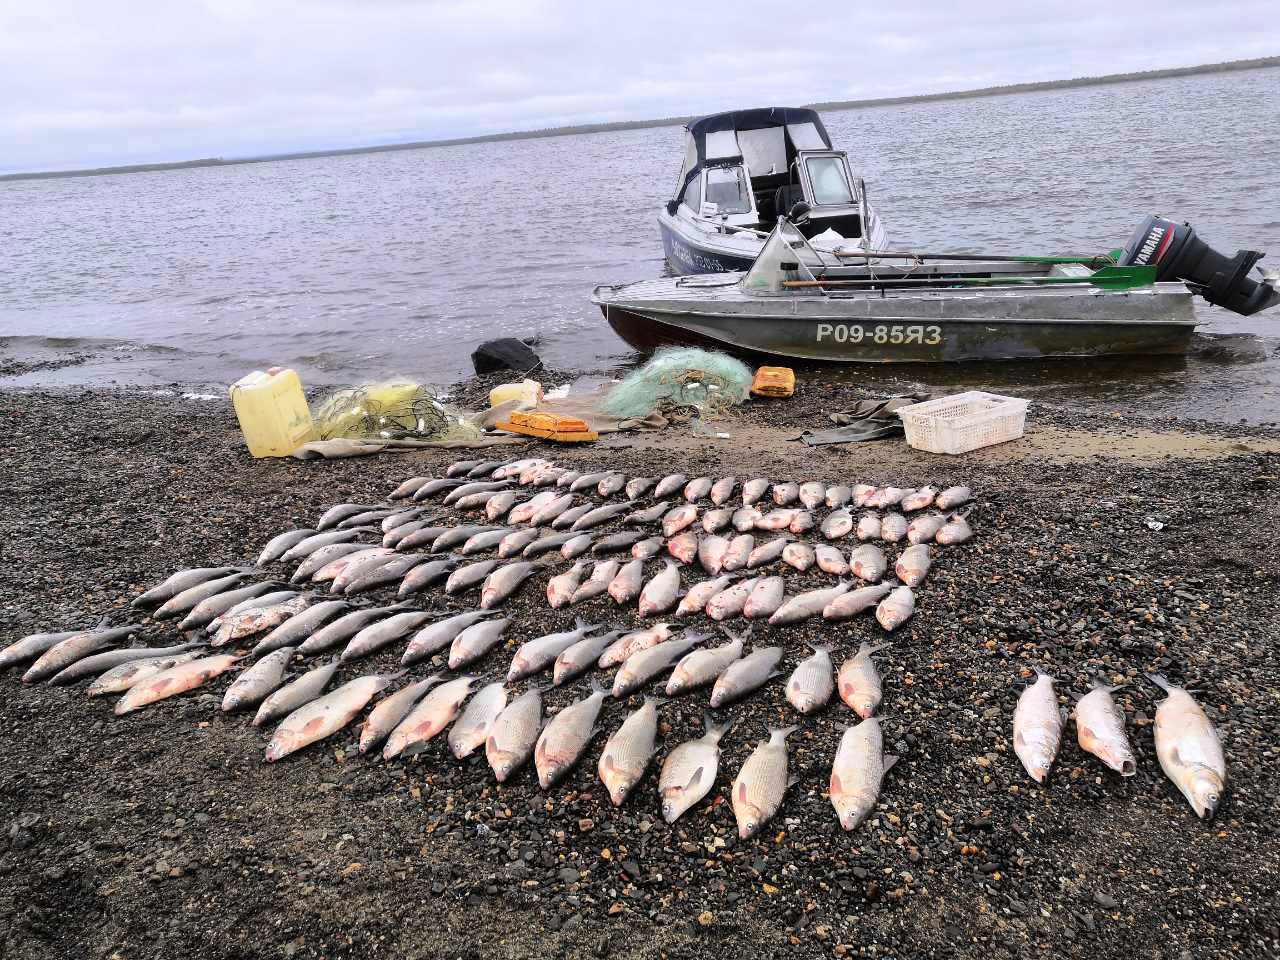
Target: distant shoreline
[829, 105]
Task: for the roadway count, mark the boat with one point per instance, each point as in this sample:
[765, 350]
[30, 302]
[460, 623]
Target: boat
[882, 306]
[744, 168]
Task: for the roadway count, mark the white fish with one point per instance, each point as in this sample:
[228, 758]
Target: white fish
[956, 530]
[808, 604]
[896, 608]
[260, 680]
[627, 753]
[728, 603]
[953, 497]
[765, 598]
[625, 587]
[602, 575]
[386, 716]
[738, 553]
[471, 730]
[761, 784]
[1100, 730]
[302, 689]
[785, 493]
[918, 499]
[868, 563]
[697, 488]
[661, 592]
[566, 736]
[722, 490]
[913, 564]
[893, 527]
[857, 772]
[326, 715]
[868, 527]
[767, 552]
[855, 601]
[753, 490]
[859, 682]
[581, 656]
[1189, 750]
[513, 735]
[669, 485]
[745, 519]
[1037, 727]
[539, 653]
[830, 560]
[838, 496]
[678, 518]
[925, 527]
[177, 679]
[802, 522]
[696, 599]
[837, 524]
[632, 643]
[475, 641]
[711, 553]
[862, 494]
[746, 675]
[642, 667]
[799, 556]
[431, 715]
[689, 771]
[812, 682]
[701, 667]
[560, 588]
[813, 494]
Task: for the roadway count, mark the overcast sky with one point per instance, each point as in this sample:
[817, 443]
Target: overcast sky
[100, 82]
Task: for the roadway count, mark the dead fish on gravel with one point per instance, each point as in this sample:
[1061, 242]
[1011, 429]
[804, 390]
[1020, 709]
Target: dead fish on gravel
[298, 691]
[246, 623]
[566, 479]
[746, 675]
[661, 592]
[311, 544]
[830, 560]
[256, 603]
[475, 641]
[953, 497]
[863, 494]
[470, 731]
[75, 647]
[330, 571]
[31, 646]
[837, 524]
[177, 679]
[428, 718]
[765, 598]
[436, 636]
[386, 573]
[785, 493]
[121, 678]
[1037, 727]
[277, 545]
[1188, 748]
[577, 659]
[470, 576]
[588, 480]
[300, 626]
[571, 516]
[479, 486]
[799, 555]
[460, 468]
[918, 499]
[728, 603]
[753, 490]
[180, 581]
[393, 537]
[776, 520]
[408, 488]
[368, 518]
[913, 565]
[700, 667]
[500, 504]
[208, 610]
[425, 536]
[402, 517]
[632, 643]
[868, 528]
[513, 735]
[956, 530]
[924, 528]
[738, 553]
[838, 496]
[386, 716]
[97, 663]
[716, 520]
[565, 737]
[326, 715]
[744, 519]
[683, 546]
[258, 682]
[505, 581]
[1100, 730]
[335, 515]
[575, 547]
[813, 494]
[896, 608]
[649, 515]
[857, 772]
[761, 784]
[813, 681]
[625, 587]
[711, 553]
[611, 484]
[697, 488]
[548, 512]
[808, 604]
[433, 488]
[601, 515]
[722, 490]
[628, 752]
[343, 629]
[868, 563]
[638, 486]
[426, 575]
[358, 569]
[696, 599]
[513, 544]
[678, 518]
[523, 512]
[802, 522]
[617, 542]
[689, 771]
[560, 588]
[456, 536]
[642, 667]
[602, 575]
[187, 599]
[893, 527]
[648, 548]
[480, 542]
[767, 553]
[886, 497]
[477, 501]
[669, 485]
[375, 636]
[539, 653]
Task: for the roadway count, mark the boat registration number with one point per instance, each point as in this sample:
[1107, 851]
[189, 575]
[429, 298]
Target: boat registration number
[880, 334]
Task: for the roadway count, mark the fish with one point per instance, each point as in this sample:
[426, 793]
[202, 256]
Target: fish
[1100, 730]
[711, 553]
[575, 660]
[738, 554]
[785, 493]
[375, 636]
[571, 516]
[246, 623]
[332, 570]
[886, 497]
[642, 667]
[628, 752]
[433, 488]
[480, 542]
[383, 574]
[858, 771]
[97, 663]
[868, 563]
[182, 580]
[177, 679]
[638, 486]
[631, 643]
[31, 646]
[254, 603]
[477, 501]
[455, 536]
[575, 547]
[436, 636]
[838, 496]
[565, 736]
[713, 521]
[550, 511]
[475, 641]
[813, 681]
[954, 531]
[258, 682]
[669, 485]
[648, 548]
[513, 735]
[678, 518]
[896, 608]
[300, 626]
[588, 480]
[301, 689]
[650, 514]
[625, 587]
[470, 576]
[505, 581]
[513, 544]
[392, 538]
[813, 494]
[311, 544]
[765, 598]
[560, 588]
[386, 716]
[524, 512]
[776, 520]
[369, 517]
[617, 542]
[500, 504]
[486, 468]
[722, 490]
[277, 545]
[187, 599]
[426, 575]
[1037, 727]
[342, 629]
[335, 515]
[566, 479]
[869, 526]
[461, 468]
[429, 717]
[953, 497]
[478, 486]
[326, 715]
[808, 604]
[837, 524]
[601, 515]
[553, 541]
[683, 546]
[918, 499]
[893, 527]
[407, 489]
[1188, 748]
[697, 488]
[76, 647]
[746, 675]
[689, 771]
[521, 467]
[862, 494]
[744, 519]
[767, 553]
[913, 564]
[424, 536]
[729, 602]
[855, 601]
[121, 678]
[539, 653]
[761, 783]
[470, 731]
[924, 528]
[602, 575]
[696, 599]
[830, 560]
[402, 518]
[700, 667]
[209, 609]
[753, 490]
[802, 522]
[661, 592]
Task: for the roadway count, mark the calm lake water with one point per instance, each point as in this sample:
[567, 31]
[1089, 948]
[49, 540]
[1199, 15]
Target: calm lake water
[351, 268]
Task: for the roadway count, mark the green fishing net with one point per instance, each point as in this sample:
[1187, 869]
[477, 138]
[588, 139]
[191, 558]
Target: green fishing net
[389, 410]
[682, 383]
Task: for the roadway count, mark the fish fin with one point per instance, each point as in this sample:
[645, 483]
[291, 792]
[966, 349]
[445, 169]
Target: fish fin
[697, 775]
[596, 687]
[655, 702]
[819, 647]
[888, 762]
[783, 732]
[1161, 681]
[867, 649]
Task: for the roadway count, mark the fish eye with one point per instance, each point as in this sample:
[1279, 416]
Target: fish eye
[1213, 798]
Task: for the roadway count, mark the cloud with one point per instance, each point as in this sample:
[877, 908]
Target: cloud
[124, 81]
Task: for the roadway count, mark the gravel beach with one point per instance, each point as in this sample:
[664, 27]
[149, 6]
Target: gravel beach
[164, 833]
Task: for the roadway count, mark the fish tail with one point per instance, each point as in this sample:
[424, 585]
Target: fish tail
[781, 733]
[717, 731]
[1161, 681]
[596, 687]
[867, 649]
[819, 647]
[655, 702]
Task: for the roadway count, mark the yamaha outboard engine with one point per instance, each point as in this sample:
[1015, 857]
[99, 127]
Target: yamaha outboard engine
[1178, 254]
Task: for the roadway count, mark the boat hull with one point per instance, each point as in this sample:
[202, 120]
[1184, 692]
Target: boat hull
[687, 257]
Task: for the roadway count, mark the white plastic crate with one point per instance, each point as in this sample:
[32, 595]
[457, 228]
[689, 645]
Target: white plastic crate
[964, 422]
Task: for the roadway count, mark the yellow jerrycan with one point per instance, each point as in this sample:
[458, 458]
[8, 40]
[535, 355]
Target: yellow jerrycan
[273, 412]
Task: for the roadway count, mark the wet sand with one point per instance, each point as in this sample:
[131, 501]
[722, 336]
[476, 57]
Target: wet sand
[164, 833]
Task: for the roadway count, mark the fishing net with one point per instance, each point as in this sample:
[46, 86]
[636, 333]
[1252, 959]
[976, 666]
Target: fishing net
[682, 384]
[389, 410]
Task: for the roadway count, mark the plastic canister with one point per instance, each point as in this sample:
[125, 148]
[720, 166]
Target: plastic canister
[273, 412]
[528, 393]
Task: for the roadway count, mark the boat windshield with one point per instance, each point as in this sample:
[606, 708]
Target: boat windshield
[830, 186]
[728, 189]
[779, 260]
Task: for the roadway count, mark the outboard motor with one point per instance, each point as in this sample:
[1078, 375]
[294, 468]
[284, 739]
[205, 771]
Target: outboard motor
[1178, 254]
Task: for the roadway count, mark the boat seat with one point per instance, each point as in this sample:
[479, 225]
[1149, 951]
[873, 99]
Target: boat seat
[786, 197]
